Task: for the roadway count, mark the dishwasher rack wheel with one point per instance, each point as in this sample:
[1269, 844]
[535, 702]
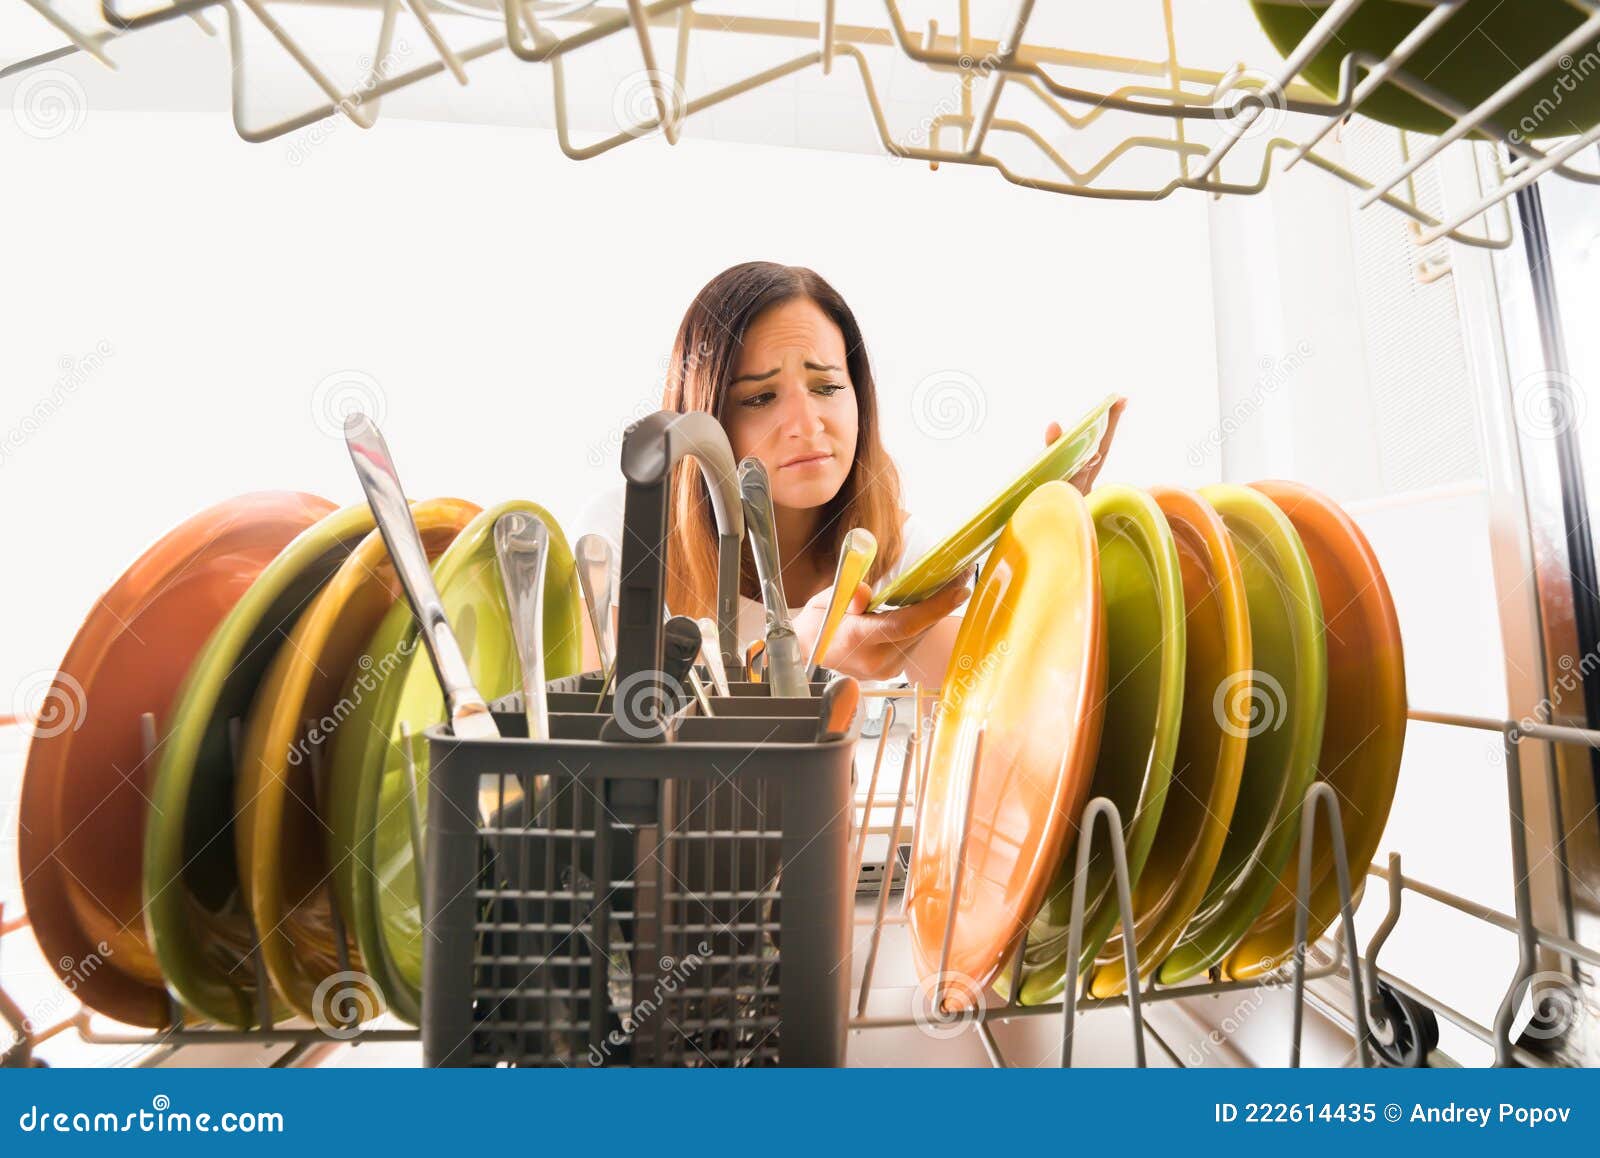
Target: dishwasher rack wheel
[1403, 1032]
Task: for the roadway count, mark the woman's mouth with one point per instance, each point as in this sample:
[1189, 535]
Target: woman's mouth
[809, 460]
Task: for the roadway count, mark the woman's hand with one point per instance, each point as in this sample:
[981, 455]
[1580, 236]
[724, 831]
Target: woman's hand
[1085, 477]
[874, 646]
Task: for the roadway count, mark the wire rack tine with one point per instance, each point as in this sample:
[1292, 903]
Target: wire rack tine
[1100, 808]
[1321, 794]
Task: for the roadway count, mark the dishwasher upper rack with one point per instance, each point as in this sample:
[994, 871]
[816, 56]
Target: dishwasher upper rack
[1168, 106]
[1387, 1014]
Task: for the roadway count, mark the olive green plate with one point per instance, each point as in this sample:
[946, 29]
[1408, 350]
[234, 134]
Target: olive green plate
[198, 923]
[1472, 55]
[1061, 460]
[372, 831]
[1286, 693]
[1142, 585]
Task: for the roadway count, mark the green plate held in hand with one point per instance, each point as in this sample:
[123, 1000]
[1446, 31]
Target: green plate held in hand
[1062, 459]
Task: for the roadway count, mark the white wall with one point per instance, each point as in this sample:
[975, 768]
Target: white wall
[512, 310]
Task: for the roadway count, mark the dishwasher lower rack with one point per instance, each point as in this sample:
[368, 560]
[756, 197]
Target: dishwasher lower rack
[593, 903]
[1388, 1018]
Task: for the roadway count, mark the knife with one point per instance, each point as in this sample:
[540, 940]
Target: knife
[784, 663]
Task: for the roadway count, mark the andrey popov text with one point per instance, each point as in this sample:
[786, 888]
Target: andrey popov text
[1450, 1113]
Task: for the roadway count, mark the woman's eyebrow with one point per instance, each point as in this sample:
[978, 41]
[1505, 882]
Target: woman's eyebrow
[770, 373]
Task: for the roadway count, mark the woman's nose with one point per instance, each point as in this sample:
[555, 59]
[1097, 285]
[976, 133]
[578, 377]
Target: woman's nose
[801, 416]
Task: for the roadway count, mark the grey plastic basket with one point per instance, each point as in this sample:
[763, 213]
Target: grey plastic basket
[645, 887]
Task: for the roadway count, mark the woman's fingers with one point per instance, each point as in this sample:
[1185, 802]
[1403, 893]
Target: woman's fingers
[907, 623]
[1085, 477]
[1052, 432]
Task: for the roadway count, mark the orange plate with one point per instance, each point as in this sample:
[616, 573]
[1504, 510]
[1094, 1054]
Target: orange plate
[1028, 667]
[1366, 728]
[82, 816]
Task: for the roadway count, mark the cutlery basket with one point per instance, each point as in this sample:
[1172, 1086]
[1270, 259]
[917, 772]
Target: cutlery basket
[599, 903]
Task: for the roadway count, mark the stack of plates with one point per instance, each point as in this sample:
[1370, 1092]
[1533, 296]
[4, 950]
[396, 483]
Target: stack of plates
[1200, 659]
[245, 849]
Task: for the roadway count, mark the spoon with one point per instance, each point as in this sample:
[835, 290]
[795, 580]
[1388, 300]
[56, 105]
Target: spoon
[855, 557]
[783, 646]
[712, 654]
[593, 556]
[522, 545]
[469, 715]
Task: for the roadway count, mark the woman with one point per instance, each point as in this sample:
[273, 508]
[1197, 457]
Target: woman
[776, 355]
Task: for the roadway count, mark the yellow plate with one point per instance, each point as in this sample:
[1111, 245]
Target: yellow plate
[1205, 777]
[1366, 728]
[1141, 587]
[280, 815]
[1029, 667]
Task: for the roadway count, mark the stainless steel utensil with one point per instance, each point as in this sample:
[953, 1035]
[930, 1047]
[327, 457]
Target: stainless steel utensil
[469, 715]
[710, 652]
[856, 553]
[522, 545]
[783, 646]
[593, 555]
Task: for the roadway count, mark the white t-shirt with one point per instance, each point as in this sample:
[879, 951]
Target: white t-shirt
[603, 517]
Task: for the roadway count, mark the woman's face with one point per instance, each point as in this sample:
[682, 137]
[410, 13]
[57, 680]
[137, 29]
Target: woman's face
[792, 403]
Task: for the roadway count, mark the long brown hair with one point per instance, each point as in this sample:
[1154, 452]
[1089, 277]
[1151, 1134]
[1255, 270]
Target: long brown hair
[705, 356]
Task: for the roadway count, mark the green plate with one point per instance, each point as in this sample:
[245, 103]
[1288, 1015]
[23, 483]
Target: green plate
[1286, 694]
[1474, 53]
[374, 828]
[198, 925]
[1142, 584]
[1061, 460]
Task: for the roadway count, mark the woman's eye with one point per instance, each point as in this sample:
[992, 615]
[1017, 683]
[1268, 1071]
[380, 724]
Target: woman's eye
[829, 389]
[757, 401]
